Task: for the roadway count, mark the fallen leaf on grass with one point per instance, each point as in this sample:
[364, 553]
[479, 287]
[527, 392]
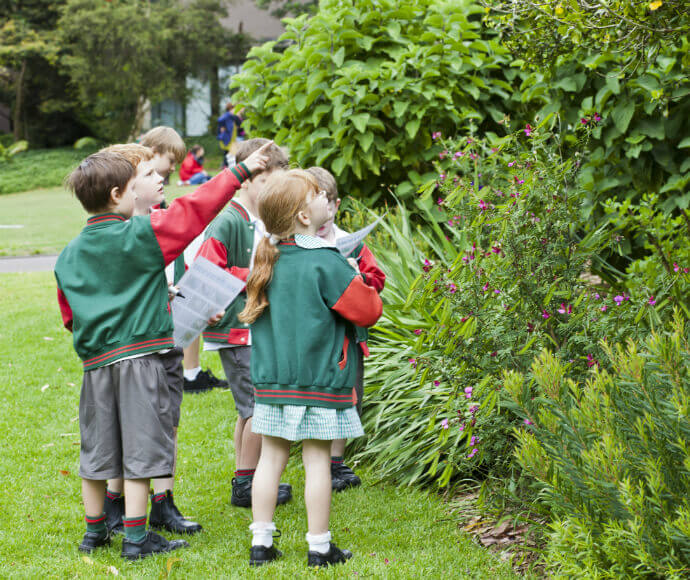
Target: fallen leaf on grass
[114, 571]
[168, 567]
[88, 560]
[44, 387]
[64, 472]
[71, 384]
[48, 338]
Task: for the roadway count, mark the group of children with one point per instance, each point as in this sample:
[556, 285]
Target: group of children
[291, 344]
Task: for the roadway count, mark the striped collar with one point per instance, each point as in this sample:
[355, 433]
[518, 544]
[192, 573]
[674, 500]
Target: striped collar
[104, 218]
[241, 210]
[309, 242]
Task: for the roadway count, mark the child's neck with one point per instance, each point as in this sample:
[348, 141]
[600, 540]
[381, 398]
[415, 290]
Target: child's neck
[244, 198]
[308, 230]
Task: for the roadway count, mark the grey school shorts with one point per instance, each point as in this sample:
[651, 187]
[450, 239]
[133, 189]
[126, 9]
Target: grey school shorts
[125, 421]
[172, 361]
[235, 361]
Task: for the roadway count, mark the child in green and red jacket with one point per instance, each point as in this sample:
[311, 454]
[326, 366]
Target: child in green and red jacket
[303, 302]
[113, 296]
[342, 477]
[230, 243]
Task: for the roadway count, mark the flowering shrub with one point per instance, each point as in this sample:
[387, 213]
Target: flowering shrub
[499, 282]
[610, 451]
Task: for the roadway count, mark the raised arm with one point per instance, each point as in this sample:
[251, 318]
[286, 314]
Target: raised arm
[373, 275]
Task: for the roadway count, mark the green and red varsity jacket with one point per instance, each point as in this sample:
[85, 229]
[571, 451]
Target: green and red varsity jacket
[304, 350]
[111, 281]
[374, 277]
[228, 244]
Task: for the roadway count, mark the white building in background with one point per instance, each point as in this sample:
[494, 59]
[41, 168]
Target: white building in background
[195, 118]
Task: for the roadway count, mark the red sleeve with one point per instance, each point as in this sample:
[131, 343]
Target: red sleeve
[373, 275]
[187, 216]
[65, 309]
[360, 304]
[215, 251]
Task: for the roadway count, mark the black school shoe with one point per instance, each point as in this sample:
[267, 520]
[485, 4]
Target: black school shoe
[92, 540]
[334, 556]
[152, 543]
[343, 477]
[242, 493]
[114, 512]
[204, 381]
[164, 514]
[260, 555]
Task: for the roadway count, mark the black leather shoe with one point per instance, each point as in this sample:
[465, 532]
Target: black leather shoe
[343, 477]
[334, 556]
[260, 555]
[114, 512]
[164, 514]
[151, 544]
[92, 540]
[204, 381]
[242, 493]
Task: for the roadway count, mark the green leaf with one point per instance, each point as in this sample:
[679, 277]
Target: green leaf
[366, 140]
[360, 121]
[339, 56]
[412, 127]
[684, 144]
[622, 115]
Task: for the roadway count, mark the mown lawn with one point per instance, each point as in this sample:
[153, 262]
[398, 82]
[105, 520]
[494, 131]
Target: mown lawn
[394, 533]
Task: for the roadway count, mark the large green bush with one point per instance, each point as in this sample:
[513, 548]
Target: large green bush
[494, 278]
[361, 87]
[611, 455]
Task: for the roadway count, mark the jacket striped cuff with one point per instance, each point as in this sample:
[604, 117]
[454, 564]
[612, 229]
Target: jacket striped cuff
[241, 172]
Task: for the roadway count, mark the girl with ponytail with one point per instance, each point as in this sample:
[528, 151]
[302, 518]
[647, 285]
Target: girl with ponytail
[303, 302]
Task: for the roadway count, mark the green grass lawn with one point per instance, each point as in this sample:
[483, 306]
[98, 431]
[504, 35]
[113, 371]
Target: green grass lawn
[394, 533]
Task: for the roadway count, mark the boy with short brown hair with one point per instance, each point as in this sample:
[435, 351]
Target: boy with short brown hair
[230, 243]
[113, 296]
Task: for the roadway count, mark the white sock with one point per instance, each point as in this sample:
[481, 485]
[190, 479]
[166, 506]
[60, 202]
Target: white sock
[320, 543]
[191, 374]
[262, 533]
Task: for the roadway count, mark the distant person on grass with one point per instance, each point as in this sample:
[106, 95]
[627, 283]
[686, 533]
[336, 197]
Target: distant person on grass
[113, 295]
[303, 300]
[192, 168]
[231, 242]
[342, 475]
[229, 131]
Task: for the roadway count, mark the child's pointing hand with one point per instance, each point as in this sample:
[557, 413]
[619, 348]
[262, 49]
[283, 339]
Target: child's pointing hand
[258, 159]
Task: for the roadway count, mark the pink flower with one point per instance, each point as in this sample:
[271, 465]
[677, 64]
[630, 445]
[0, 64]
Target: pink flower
[603, 308]
[482, 205]
[472, 440]
[418, 331]
[494, 353]
[562, 308]
[545, 315]
[485, 287]
[468, 392]
[596, 117]
[591, 361]
[444, 423]
[583, 121]
[472, 453]
[452, 288]
[496, 249]
[675, 267]
[497, 291]
[462, 425]
[413, 362]
[651, 301]
[511, 163]
[439, 201]
[528, 130]
[437, 383]
[436, 135]
[618, 299]
[528, 422]
[427, 266]
[442, 176]
[473, 409]
[458, 154]
[596, 295]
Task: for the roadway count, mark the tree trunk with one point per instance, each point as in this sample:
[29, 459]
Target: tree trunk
[19, 97]
[215, 94]
[142, 108]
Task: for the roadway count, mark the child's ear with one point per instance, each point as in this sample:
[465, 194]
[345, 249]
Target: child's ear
[115, 196]
[303, 218]
[337, 204]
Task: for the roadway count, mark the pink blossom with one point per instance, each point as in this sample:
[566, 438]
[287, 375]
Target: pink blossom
[545, 315]
[485, 287]
[618, 299]
[436, 135]
[528, 422]
[418, 331]
[497, 291]
[442, 177]
[603, 308]
[675, 267]
[528, 130]
[591, 361]
[596, 295]
[458, 154]
[452, 288]
[583, 121]
[468, 392]
[444, 423]
[439, 201]
[437, 383]
[472, 453]
[473, 439]
[427, 266]
[473, 409]
[462, 425]
[511, 163]
[482, 205]
[596, 117]
[494, 353]
[413, 362]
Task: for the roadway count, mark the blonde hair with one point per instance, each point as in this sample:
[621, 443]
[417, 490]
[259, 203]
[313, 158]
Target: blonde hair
[283, 197]
[277, 158]
[326, 182]
[132, 152]
[165, 140]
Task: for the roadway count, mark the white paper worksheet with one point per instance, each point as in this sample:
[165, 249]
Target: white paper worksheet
[207, 289]
[348, 243]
